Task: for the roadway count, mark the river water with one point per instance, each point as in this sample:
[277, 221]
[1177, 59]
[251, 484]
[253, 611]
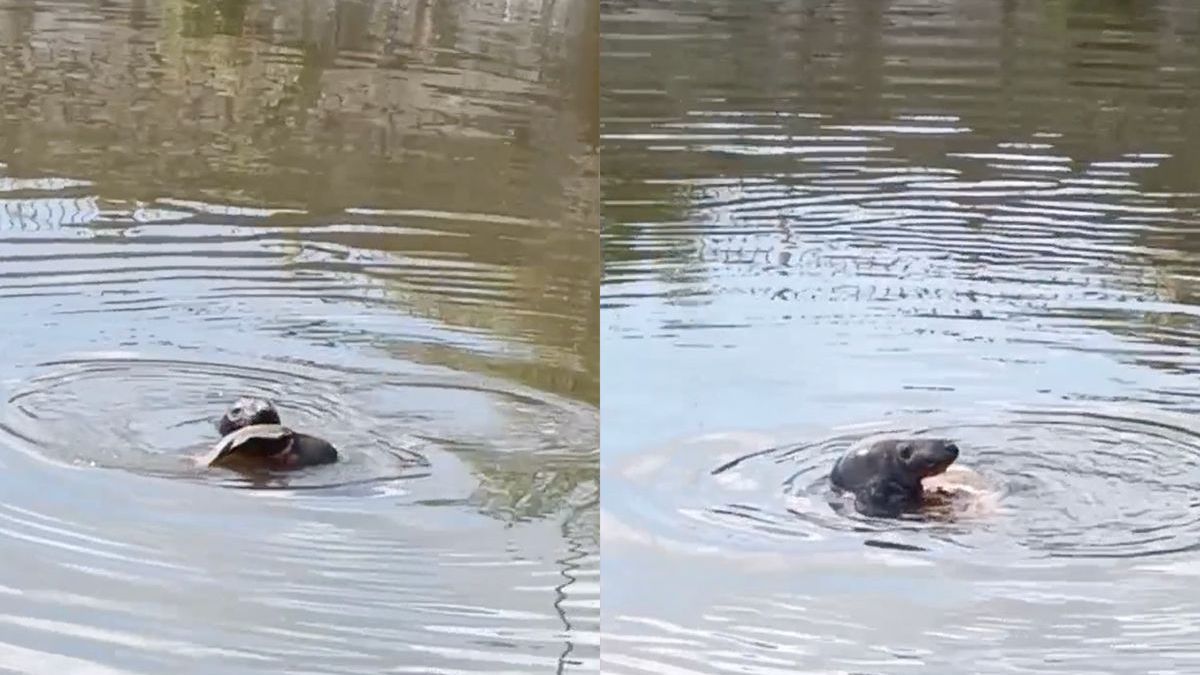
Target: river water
[382, 215]
[827, 220]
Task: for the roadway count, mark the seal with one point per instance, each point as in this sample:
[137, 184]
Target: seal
[252, 435]
[885, 476]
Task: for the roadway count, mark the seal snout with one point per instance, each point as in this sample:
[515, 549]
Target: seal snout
[948, 455]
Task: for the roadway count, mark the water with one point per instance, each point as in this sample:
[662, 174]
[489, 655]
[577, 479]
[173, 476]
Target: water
[381, 216]
[825, 221]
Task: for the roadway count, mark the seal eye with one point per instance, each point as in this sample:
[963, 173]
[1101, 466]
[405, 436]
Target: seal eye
[905, 450]
[236, 412]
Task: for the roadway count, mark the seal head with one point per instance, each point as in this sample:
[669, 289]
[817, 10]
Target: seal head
[247, 411]
[885, 476]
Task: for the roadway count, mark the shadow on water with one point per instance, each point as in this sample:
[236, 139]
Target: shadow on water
[969, 219]
[382, 216]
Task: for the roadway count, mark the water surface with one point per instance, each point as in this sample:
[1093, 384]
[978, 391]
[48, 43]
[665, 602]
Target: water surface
[381, 216]
[825, 221]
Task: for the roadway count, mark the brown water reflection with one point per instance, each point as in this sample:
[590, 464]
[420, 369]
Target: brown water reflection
[824, 219]
[381, 214]
[322, 107]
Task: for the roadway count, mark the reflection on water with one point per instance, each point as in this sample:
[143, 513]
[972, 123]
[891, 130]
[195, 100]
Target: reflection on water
[379, 215]
[828, 220]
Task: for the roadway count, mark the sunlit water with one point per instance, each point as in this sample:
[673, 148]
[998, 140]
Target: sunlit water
[827, 221]
[380, 216]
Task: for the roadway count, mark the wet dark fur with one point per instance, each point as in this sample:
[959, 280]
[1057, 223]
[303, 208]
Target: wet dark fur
[310, 450]
[886, 478]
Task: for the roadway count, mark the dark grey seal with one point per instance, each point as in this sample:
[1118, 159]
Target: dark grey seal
[885, 476]
[252, 435]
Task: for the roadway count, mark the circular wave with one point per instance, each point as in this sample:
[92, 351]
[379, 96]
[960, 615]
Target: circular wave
[155, 416]
[1062, 482]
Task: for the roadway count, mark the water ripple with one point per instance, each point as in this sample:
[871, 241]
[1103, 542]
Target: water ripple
[156, 415]
[973, 219]
[1062, 482]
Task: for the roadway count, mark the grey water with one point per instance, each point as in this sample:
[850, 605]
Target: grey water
[827, 220]
[380, 215]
